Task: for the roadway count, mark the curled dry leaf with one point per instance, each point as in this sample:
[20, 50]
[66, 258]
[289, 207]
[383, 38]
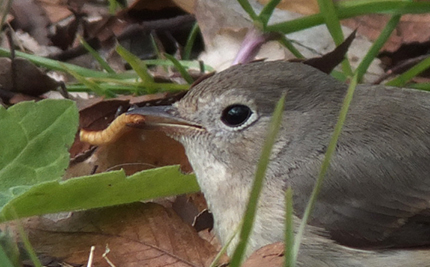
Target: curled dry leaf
[138, 150]
[137, 235]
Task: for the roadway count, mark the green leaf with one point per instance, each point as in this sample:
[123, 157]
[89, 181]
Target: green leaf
[34, 138]
[100, 190]
[4, 259]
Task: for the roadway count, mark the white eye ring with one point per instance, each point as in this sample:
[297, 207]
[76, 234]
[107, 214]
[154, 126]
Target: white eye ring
[238, 116]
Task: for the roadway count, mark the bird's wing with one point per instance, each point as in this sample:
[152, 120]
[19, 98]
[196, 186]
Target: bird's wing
[377, 191]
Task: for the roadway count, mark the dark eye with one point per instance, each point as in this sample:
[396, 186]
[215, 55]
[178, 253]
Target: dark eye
[236, 115]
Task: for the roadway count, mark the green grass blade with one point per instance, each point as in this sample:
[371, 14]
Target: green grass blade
[96, 56]
[248, 9]
[186, 63]
[251, 209]
[327, 9]
[377, 45]
[325, 165]
[138, 66]
[225, 247]
[112, 6]
[123, 89]
[156, 45]
[55, 64]
[190, 41]
[61, 66]
[180, 68]
[402, 79]
[287, 43]
[296, 24]
[340, 76]
[420, 86]
[28, 247]
[9, 251]
[267, 11]
[90, 84]
[383, 3]
[331, 20]
[289, 229]
[345, 11]
[356, 8]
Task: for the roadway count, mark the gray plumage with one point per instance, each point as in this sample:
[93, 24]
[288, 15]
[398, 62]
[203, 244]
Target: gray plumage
[375, 200]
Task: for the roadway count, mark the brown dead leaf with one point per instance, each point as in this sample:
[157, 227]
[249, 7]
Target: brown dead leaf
[269, 256]
[31, 18]
[411, 28]
[185, 209]
[55, 10]
[137, 235]
[190, 207]
[209, 236]
[187, 5]
[213, 17]
[22, 76]
[305, 7]
[139, 150]
[100, 114]
[329, 61]
[21, 97]
[151, 5]
[65, 35]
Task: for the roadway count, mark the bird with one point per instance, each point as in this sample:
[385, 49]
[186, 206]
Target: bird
[374, 205]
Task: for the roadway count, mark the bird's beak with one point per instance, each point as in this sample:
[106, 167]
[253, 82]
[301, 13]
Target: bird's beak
[166, 119]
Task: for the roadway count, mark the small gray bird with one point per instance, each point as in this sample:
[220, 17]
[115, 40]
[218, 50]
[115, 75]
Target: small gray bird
[374, 206]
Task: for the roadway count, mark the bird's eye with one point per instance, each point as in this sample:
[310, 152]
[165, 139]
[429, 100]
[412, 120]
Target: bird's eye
[236, 115]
